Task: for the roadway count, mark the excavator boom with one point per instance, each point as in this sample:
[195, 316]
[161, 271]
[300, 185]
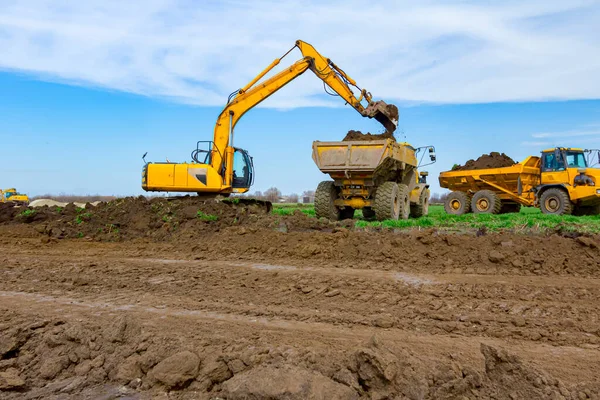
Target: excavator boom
[216, 174]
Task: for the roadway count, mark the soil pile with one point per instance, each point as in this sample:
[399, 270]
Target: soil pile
[158, 218]
[358, 135]
[492, 160]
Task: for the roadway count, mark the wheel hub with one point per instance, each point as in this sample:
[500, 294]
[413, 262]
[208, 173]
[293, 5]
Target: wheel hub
[455, 204]
[483, 205]
[552, 204]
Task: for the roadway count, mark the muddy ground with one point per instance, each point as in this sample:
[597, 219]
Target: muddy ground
[249, 306]
[492, 160]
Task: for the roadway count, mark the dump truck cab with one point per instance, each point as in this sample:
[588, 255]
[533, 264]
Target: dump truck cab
[571, 171]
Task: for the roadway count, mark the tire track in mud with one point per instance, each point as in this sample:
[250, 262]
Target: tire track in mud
[560, 311]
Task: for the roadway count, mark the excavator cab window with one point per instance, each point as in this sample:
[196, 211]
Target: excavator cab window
[243, 170]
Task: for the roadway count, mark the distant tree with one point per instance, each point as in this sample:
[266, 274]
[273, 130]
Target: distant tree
[437, 198]
[258, 195]
[272, 194]
[293, 198]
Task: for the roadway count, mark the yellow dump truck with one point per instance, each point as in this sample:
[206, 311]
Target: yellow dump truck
[11, 195]
[560, 181]
[378, 176]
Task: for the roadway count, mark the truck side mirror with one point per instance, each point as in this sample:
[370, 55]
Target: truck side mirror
[432, 156]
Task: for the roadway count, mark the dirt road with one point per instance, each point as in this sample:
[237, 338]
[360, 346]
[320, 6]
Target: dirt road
[269, 314]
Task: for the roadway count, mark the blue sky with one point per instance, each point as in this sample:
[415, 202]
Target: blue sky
[87, 87]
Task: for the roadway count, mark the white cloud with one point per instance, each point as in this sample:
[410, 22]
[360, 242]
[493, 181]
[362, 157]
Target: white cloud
[565, 134]
[199, 51]
[535, 143]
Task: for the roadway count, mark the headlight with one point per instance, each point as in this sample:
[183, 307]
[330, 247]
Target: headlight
[597, 191]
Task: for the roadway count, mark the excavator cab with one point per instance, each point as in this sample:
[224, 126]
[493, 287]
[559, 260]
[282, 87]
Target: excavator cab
[243, 169]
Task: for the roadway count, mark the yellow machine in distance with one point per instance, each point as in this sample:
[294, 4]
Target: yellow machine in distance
[560, 181]
[221, 168]
[12, 196]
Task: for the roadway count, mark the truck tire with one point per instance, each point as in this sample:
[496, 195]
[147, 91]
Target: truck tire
[556, 201]
[508, 208]
[457, 203]
[422, 207]
[392, 201]
[325, 195]
[486, 202]
[368, 213]
[346, 213]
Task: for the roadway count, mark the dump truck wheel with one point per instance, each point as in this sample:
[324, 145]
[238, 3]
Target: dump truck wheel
[486, 202]
[508, 208]
[457, 203]
[392, 201]
[422, 207]
[346, 213]
[368, 213]
[325, 196]
[556, 201]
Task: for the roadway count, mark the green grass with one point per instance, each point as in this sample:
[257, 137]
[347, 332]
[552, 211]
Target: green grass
[27, 213]
[529, 219]
[206, 217]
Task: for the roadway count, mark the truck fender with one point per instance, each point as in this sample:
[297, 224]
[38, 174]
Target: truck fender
[540, 189]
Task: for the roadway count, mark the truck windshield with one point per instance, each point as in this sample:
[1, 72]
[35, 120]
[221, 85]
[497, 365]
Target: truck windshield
[576, 159]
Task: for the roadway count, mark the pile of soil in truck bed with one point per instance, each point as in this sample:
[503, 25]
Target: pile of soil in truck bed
[358, 135]
[492, 160]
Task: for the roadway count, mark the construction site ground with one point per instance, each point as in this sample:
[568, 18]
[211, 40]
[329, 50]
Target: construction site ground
[286, 307]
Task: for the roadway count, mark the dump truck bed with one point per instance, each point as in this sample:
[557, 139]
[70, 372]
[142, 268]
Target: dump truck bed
[362, 158]
[510, 183]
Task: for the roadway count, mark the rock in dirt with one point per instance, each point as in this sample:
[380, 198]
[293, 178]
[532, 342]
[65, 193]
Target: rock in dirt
[288, 383]
[358, 135]
[492, 160]
[123, 329]
[177, 370]
[214, 371]
[10, 380]
[376, 367]
[496, 257]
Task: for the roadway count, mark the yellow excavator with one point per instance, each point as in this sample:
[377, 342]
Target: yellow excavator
[12, 196]
[221, 168]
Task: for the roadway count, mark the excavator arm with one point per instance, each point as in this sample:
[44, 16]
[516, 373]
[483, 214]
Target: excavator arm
[216, 174]
[252, 94]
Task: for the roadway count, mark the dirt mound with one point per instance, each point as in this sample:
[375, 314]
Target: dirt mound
[358, 135]
[492, 160]
[159, 218]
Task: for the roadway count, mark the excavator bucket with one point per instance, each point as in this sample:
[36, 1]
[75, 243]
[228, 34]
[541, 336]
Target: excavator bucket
[386, 114]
